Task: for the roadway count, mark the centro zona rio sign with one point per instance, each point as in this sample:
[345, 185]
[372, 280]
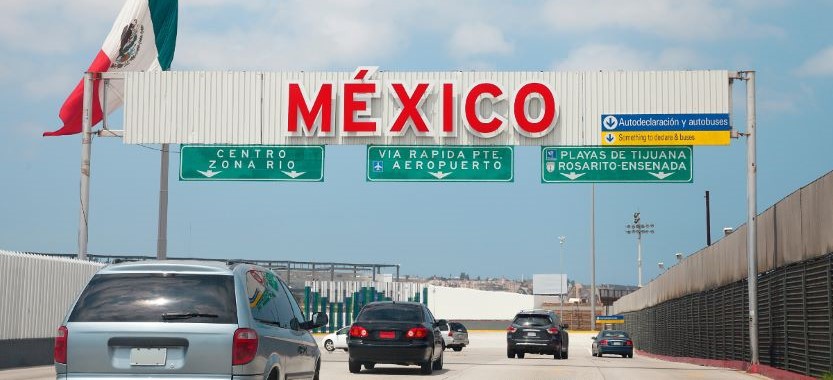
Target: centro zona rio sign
[371, 107]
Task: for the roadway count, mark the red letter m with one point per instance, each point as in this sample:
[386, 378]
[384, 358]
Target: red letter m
[320, 115]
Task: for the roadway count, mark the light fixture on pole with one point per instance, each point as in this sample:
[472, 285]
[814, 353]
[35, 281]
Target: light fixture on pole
[661, 266]
[561, 240]
[639, 229]
[679, 256]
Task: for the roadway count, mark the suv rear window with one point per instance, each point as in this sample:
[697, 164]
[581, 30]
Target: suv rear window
[455, 326]
[391, 312]
[532, 320]
[157, 297]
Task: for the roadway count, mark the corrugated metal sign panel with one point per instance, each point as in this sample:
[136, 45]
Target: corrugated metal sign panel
[251, 107]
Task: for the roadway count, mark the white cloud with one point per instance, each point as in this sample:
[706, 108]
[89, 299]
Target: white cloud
[681, 20]
[478, 38]
[820, 64]
[621, 57]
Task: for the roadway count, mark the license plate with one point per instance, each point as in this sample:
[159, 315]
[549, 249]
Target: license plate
[531, 334]
[148, 356]
[615, 343]
[387, 334]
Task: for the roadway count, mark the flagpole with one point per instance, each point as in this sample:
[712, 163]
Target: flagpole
[86, 145]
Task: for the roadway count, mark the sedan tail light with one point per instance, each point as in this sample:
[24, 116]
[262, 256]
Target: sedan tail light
[552, 330]
[511, 329]
[357, 331]
[603, 342]
[417, 333]
[61, 345]
[629, 343]
[244, 346]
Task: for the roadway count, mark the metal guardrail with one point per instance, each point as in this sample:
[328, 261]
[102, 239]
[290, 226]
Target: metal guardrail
[795, 306]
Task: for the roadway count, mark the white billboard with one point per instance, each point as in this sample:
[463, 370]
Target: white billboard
[549, 284]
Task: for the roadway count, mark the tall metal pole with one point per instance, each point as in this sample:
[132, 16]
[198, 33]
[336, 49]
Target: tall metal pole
[593, 258]
[708, 221]
[561, 268]
[162, 232]
[639, 257]
[86, 147]
[752, 211]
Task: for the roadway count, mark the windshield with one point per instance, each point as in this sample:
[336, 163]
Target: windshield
[614, 334]
[157, 297]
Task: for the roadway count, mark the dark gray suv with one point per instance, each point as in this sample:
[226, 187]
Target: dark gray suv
[187, 319]
[537, 332]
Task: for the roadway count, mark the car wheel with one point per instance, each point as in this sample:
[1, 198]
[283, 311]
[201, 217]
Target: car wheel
[510, 354]
[564, 354]
[427, 368]
[438, 364]
[630, 356]
[317, 375]
[369, 365]
[521, 355]
[557, 353]
[328, 345]
[345, 350]
[458, 349]
[355, 367]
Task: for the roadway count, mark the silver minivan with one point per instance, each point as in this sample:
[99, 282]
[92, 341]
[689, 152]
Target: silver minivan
[187, 320]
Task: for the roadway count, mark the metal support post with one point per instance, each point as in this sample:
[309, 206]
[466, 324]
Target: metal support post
[561, 291]
[86, 148]
[639, 257]
[162, 232]
[752, 211]
[593, 258]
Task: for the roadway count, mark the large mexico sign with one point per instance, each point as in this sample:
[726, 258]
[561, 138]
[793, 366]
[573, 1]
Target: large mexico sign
[370, 107]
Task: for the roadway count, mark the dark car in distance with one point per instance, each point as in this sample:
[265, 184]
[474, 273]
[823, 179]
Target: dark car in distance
[615, 342]
[389, 332]
[537, 332]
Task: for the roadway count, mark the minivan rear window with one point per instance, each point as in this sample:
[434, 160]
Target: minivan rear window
[157, 297]
[458, 327]
[391, 312]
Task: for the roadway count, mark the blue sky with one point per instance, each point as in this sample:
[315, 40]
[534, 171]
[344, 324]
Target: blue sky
[482, 229]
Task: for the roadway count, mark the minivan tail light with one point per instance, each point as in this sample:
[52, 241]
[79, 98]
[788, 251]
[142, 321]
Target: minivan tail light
[357, 331]
[552, 330]
[244, 346]
[417, 333]
[450, 333]
[511, 329]
[61, 345]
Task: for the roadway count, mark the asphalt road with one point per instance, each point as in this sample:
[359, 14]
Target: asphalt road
[486, 359]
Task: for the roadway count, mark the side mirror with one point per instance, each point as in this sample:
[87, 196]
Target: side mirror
[440, 322]
[318, 320]
[565, 326]
[593, 337]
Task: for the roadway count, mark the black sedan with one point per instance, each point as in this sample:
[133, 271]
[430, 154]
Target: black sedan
[403, 333]
[612, 342]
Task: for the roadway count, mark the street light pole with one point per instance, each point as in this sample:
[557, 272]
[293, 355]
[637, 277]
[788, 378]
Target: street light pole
[639, 229]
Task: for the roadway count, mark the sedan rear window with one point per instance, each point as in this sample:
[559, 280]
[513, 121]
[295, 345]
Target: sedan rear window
[532, 320]
[157, 297]
[391, 312]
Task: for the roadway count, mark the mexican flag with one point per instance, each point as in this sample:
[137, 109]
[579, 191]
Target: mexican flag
[142, 39]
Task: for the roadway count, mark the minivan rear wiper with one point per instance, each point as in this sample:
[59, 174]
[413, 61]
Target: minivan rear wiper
[169, 316]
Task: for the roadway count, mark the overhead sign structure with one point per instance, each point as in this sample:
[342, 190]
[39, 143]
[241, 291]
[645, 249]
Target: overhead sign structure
[372, 107]
[386, 163]
[610, 319]
[580, 164]
[251, 163]
[665, 129]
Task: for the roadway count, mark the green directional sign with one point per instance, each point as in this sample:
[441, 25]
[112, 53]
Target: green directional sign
[251, 163]
[387, 163]
[641, 164]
